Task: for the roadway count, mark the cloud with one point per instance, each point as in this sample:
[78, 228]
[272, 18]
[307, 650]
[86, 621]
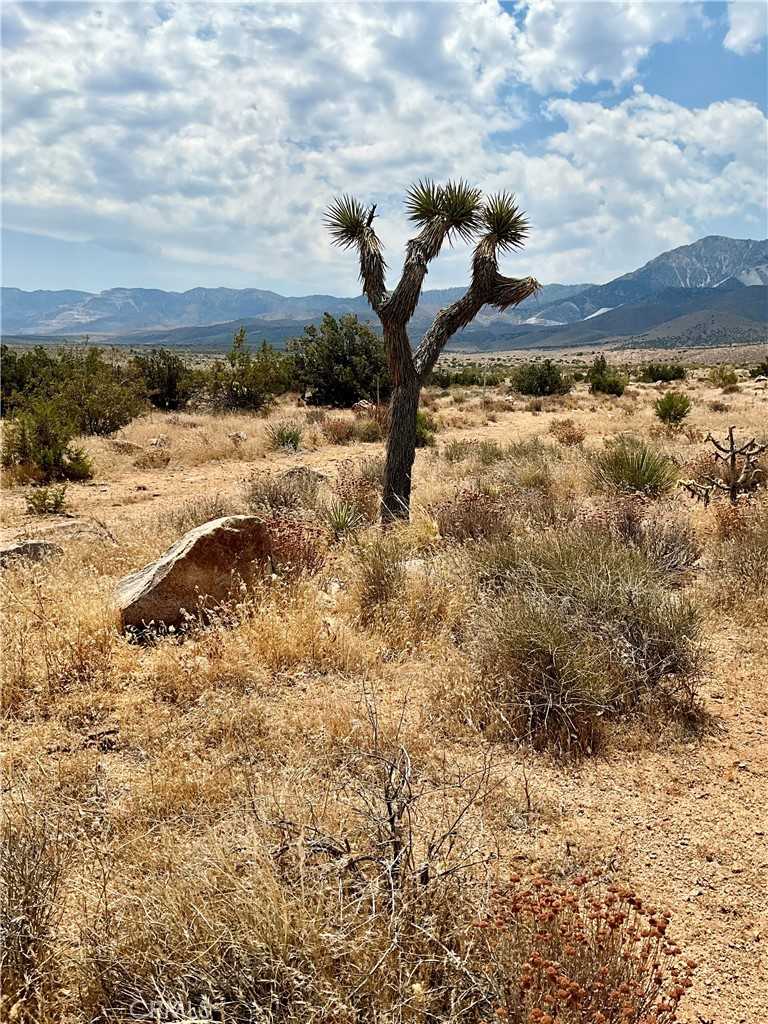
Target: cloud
[215, 134]
[563, 44]
[747, 26]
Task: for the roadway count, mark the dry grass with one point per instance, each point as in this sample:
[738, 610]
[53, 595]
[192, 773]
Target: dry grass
[311, 809]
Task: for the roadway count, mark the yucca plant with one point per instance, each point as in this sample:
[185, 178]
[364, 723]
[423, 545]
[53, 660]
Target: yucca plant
[343, 517]
[441, 213]
[629, 464]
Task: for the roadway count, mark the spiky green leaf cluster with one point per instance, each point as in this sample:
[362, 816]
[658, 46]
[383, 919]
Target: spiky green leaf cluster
[504, 221]
[457, 204]
[346, 219]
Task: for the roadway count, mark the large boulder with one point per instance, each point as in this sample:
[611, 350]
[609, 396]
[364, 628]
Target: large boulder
[197, 573]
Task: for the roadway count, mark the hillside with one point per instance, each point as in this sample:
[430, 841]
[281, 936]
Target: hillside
[708, 263]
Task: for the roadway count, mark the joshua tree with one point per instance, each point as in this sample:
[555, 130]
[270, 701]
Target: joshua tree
[442, 213]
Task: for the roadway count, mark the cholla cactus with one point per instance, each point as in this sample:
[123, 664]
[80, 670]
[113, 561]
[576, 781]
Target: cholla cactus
[740, 469]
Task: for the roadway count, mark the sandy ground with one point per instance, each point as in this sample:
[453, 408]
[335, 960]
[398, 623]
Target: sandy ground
[685, 822]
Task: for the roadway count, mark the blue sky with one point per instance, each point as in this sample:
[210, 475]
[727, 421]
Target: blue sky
[178, 145]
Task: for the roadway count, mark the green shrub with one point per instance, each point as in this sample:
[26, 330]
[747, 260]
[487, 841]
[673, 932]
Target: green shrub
[37, 444]
[604, 379]
[540, 379]
[340, 362]
[723, 376]
[368, 430]
[168, 380]
[672, 408]
[426, 427]
[761, 370]
[94, 395]
[629, 464]
[248, 380]
[46, 501]
[284, 434]
[664, 372]
[575, 628]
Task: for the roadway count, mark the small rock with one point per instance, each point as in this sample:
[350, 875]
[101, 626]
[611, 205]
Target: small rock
[161, 441]
[237, 437]
[29, 550]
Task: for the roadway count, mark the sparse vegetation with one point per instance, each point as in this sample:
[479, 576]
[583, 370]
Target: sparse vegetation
[319, 799]
[284, 434]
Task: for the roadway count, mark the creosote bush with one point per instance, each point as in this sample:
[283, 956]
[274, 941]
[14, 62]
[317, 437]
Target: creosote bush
[629, 464]
[37, 445]
[652, 373]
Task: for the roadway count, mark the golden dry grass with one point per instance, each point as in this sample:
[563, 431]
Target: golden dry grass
[202, 822]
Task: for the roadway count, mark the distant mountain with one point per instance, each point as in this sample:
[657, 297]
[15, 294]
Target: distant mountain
[703, 293]
[123, 311]
[711, 262]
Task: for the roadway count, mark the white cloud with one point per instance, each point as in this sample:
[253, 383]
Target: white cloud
[567, 43]
[747, 26]
[215, 134]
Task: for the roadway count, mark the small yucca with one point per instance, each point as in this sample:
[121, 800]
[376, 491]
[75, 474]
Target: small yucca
[629, 464]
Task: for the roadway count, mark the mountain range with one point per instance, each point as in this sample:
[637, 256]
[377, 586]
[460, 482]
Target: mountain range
[710, 292]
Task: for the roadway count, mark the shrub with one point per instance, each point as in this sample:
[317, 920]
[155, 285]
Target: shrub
[426, 427]
[380, 573]
[603, 379]
[367, 430]
[359, 484]
[667, 542]
[340, 362]
[339, 431]
[470, 513]
[723, 376]
[95, 396]
[168, 380]
[672, 408]
[629, 464]
[567, 433]
[37, 444]
[284, 434]
[575, 628]
[740, 562]
[248, 380]
[664, 372]
[294, 490]
[46, 501]
[540, 379]
[761, 370]
[198, 511]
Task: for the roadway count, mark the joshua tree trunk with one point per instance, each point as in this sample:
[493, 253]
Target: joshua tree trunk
[496, 225]
[401, 449]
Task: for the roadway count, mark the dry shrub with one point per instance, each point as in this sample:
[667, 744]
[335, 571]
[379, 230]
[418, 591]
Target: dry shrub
[573, 628]
[32, 867]
[359, 483]
[297, 543]
[338, 430]
[668, 541]
[740, 559]
[296, 489]
[198, 511]
[470, 513]
[380, 573]
[567, 433]
[152, 459]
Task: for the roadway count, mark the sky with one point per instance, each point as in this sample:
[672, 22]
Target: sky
[176, 145]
